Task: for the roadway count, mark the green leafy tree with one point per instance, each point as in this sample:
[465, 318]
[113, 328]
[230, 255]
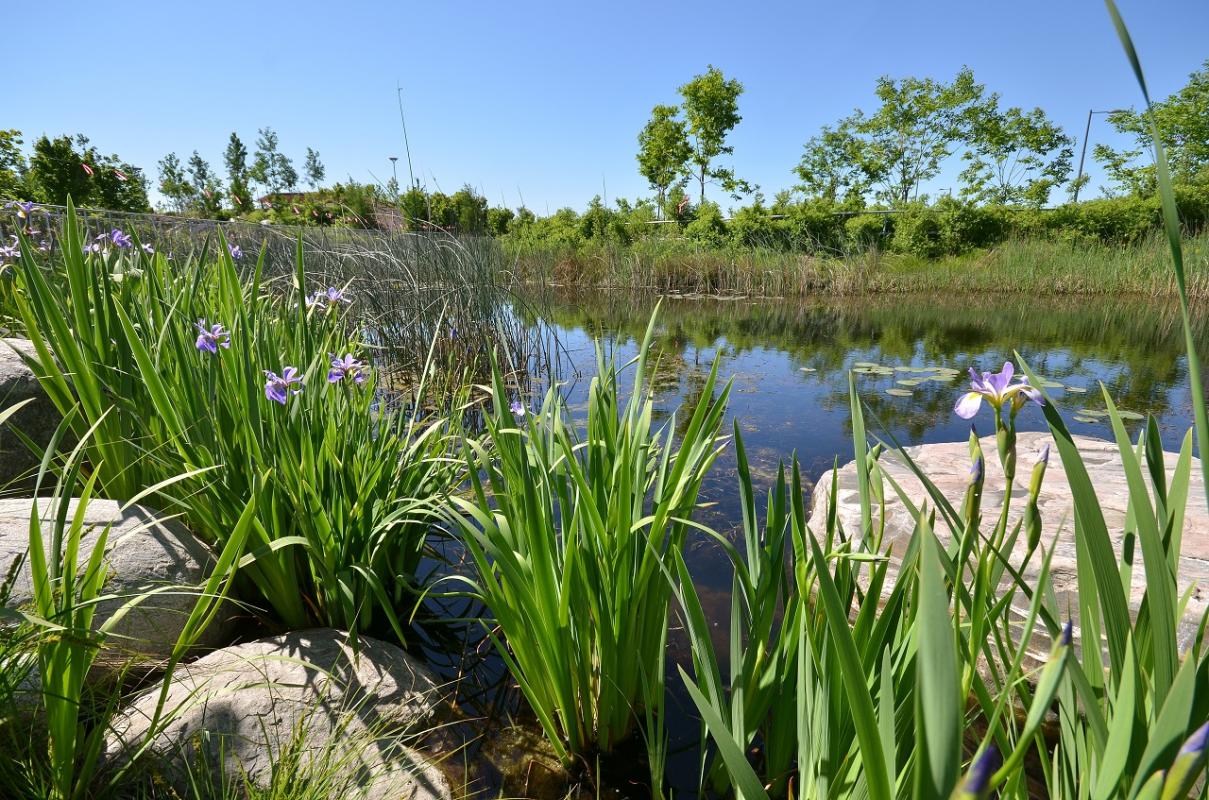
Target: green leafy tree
[315, 171]
[270, 167]
[12, 165]
[916, 127]
[663, 150]
[711, 109]
[174, 183]
[1183, 124]
[68, 166]
[235, 157]
[1015, 156]
[207, 190]
[832, 166]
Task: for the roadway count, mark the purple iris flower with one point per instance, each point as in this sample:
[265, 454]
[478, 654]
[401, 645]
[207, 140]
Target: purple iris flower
[235, 251]
[517, 407]
[9, 251]
[280, 388]
[212, 337]
[122, 240]
[148, 249]
[997, 389]
[335, 295]
[25, 209]
[978, 780]
[347, 367]
[313, 300]
[94, 247]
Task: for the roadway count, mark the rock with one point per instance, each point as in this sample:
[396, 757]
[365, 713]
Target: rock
[37, 420]
[146, 550]
[947, 466]
[304, 695]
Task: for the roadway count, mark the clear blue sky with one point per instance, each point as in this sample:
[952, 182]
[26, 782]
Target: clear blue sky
[544, 100]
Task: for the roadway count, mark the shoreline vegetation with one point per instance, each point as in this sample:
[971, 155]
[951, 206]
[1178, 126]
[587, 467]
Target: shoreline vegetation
[1034, 267]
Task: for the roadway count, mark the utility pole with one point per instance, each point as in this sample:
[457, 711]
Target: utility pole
[411, 176]
[1083, 152]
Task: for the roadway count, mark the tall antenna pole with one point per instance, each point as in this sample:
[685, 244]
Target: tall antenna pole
[406, 145]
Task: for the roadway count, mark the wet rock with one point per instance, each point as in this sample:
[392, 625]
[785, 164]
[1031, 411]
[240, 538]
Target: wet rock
[304, 701]
[37, 419]
[145, 551]
[947, 465]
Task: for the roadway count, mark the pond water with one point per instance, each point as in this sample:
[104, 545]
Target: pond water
[790, 362]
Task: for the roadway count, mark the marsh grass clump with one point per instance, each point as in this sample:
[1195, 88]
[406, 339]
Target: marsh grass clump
[573, 534]
[249, 387]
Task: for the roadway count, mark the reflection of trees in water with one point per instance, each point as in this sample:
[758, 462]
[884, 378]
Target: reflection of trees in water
[1135, 346]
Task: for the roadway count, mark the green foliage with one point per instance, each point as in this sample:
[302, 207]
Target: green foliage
[711, 112]
[832, 166]
[70, 167]
[1182, 122]
[314, 169]
[1015, 156]
[12, 165]
[345, 485]
[663, 150]
[573, 535]
[707, 225]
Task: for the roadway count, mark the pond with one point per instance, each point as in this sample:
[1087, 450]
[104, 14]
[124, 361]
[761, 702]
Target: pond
[790, 363]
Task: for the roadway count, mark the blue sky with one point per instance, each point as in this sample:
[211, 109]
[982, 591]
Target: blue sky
[543, 101]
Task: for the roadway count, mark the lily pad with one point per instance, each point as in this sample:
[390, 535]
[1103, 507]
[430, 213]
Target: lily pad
[1091, 412]
[1085, 420]
[899, 392]
[910, 381]
[866, 364]
[808, 369]
[1131, 416]
[1076, 389]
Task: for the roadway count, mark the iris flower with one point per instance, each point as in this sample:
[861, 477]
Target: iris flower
[517, 407]
[25, 209]
[236, 252]
[212, 337]
[122, 240]
[347, 367]
[313, 300]
[9, 251]
[148, 249]
[280, 388]
[335, 295]
[997, 389]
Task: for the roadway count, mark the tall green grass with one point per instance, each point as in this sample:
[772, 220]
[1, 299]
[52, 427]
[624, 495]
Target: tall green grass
[571, 534]
[902, 685]
[345, 474]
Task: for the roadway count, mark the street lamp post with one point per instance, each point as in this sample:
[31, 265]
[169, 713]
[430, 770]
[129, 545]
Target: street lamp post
[1083, 152]
[394, 175]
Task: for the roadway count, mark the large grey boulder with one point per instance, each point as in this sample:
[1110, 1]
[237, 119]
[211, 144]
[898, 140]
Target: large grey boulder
[947, 466]
[307, 699]
[145, 551]
[37, 419]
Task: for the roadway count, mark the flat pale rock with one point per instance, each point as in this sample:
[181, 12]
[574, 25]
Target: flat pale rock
[307, 693]
[947, 465]
[146, 551]
[37, 420]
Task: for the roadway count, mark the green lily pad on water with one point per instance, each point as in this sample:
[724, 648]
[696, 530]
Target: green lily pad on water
[1091, 412]
[808, 369]
[1085, 420]
[910, 381]
[899, 392]
[1130, 416]
[865, 364]
[1076, 389]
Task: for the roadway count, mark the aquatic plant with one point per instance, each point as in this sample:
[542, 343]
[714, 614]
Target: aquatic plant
[572, 534]
[345, 479]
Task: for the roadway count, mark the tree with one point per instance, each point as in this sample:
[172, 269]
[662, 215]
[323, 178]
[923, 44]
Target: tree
[270, 166]
[236, 159]
[315, 171]
[174, 183]
[1015, 156]
[12, 165]
[914, 131]
[711, 109]
[832, 165]
[1183, 125]
[68, 166]
[663, 150]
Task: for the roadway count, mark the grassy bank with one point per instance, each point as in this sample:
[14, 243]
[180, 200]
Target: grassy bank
[1018, 266]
